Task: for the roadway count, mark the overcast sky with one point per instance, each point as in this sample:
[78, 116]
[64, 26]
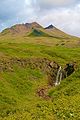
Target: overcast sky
[64, 14]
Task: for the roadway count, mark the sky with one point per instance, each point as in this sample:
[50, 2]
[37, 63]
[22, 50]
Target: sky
[64, 14]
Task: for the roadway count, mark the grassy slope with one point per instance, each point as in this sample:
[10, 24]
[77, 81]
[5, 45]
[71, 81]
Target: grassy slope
[18, 98]
[38, 33]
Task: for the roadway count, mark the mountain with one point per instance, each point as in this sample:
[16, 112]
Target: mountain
[57, 33]
[33, 25]
[21, 29]
[27, 28]
[39, 74]
[50, 27]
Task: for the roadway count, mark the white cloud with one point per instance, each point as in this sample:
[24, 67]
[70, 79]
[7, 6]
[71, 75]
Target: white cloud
[65, 14]
[45, 4]
[66, 19]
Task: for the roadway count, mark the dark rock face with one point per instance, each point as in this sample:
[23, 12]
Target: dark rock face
[28, 25]
[63, 73]
[69, 69]
[50, 27]
[33, 25]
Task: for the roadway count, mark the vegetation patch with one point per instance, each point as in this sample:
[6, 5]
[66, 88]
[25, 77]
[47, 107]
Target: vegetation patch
[38, 33]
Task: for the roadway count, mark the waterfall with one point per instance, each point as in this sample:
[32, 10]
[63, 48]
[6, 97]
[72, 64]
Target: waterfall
[59, 76]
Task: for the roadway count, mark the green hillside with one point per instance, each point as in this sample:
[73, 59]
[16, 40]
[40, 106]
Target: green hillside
[28, 69]
[38, 33]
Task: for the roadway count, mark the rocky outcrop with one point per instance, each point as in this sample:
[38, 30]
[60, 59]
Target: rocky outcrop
[54, 72]
[69, 69]
[50, 27]
[47, 66]
[21, 29]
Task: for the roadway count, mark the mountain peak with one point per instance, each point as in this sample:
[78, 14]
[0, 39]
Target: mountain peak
[35, 29]
[33, 25]
[21, 28]
[50, 27]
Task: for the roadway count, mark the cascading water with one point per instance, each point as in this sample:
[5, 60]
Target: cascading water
[59, 76]
[64, 73]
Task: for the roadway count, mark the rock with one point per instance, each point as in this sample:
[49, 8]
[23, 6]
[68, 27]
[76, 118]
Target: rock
[47, 66]
[53, 65]
[69, 69]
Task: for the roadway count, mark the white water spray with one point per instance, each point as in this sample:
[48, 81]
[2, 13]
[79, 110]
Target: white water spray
[59, 76]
